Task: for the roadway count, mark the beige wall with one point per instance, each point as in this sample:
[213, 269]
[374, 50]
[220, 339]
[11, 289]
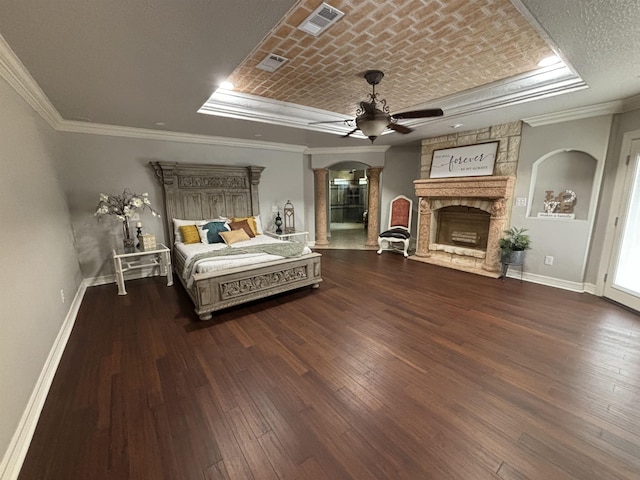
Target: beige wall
[565, 240]
[38, 257]
[99, 163]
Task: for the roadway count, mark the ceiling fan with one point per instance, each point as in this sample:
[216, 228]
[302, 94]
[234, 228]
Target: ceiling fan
[373, 117]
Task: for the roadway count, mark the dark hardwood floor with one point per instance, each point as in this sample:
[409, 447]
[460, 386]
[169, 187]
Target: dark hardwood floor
[392, 369]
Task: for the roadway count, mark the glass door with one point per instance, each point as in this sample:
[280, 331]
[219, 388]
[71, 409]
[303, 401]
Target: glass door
[623, 278]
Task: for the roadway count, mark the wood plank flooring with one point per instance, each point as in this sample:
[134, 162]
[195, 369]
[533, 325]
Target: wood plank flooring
[392, 369]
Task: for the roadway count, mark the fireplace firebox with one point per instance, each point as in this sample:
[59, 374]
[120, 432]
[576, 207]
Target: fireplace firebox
[475, 212]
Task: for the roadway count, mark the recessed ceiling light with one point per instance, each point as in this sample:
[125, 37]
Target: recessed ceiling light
[456, 125]
[226, 85]
[548, 61]
[160, 124]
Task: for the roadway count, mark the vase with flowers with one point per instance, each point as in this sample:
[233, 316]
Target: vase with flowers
[123, 207]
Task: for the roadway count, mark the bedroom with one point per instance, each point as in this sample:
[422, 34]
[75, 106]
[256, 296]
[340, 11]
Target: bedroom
[55, 176]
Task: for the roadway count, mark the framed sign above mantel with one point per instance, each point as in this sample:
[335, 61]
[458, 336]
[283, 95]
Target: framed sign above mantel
[470, 161]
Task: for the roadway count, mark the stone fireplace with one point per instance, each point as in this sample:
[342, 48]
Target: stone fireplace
[461, 222]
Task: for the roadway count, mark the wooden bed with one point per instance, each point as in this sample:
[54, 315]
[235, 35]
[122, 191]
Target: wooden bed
[199, 192]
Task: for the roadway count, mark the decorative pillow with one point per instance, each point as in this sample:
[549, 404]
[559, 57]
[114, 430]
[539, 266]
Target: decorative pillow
[242, 225]
[234, 236]
[259, 230]
[213, 229]
[189, 234]
[177, 223]
[254, 223]
[203, 234]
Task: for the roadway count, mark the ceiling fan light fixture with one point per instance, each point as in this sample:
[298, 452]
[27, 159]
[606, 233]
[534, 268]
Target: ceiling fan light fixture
[373, 125]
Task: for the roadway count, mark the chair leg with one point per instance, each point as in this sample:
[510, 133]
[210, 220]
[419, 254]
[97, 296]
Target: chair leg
[380, 245]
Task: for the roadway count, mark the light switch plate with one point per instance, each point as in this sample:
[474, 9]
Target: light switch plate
[521, 201]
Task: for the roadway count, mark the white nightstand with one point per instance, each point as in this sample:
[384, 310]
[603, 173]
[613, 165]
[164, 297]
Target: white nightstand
[292, 237]
[159, 256]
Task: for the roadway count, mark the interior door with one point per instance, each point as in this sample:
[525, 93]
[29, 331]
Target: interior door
[622, 282]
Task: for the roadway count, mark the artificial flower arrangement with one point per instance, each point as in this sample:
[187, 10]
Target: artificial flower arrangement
[123, 207]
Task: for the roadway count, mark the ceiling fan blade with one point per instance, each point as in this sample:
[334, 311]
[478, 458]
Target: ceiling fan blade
[400, 128]
[347, 122]
[346, 135]
[432, 112]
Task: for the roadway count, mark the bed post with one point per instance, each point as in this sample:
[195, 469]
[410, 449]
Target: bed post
[165, 173]
[254, 180]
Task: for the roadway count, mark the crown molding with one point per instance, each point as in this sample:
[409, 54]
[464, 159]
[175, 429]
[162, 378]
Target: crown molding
[345, 150]
[16, 74]
[148, 134]
[631, 103]
[245, 106]
[19, 78]
[608, 108]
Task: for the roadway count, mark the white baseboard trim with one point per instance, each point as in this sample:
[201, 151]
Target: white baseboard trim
[591, 288]
[152, 271]
[101, 280]
[17, 450]
[549, 281]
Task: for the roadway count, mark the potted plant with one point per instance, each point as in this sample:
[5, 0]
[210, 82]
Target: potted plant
[513, 245]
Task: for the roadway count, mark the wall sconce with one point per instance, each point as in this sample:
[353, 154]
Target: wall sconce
[289, 218]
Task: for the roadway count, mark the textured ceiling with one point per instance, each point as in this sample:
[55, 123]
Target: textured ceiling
[151, 64]
[427, 49]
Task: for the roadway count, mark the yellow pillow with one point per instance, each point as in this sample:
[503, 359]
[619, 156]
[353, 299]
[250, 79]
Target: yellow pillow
[250, 220]
[234, 236]
[189, 234]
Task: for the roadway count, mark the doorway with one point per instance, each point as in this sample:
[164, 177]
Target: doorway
[622, 282]
[348, 193]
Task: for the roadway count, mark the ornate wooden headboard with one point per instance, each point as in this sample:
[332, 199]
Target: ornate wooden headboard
[199, 192]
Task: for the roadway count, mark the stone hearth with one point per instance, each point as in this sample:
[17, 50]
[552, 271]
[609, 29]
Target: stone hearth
[492, 194]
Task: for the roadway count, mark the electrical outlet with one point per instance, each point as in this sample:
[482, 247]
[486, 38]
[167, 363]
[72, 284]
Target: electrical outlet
[521, 201]
[548, 260]
[274, 209]
[62, 295]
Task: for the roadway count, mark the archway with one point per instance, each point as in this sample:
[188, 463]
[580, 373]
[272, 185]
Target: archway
[344, 191]
[348, 205]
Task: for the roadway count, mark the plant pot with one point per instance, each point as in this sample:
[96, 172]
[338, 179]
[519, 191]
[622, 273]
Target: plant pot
[515, 257]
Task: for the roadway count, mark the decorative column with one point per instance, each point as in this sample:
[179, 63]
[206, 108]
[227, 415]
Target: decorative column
[497, 225]
[373, 215]
[320, 177]
[424, 228]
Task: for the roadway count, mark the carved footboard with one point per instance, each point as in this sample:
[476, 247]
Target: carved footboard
[217, 290]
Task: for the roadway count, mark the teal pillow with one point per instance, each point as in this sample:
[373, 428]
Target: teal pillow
[213, 231]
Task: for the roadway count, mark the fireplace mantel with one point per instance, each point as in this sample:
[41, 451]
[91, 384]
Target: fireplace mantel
[465, 187]
[495, 191]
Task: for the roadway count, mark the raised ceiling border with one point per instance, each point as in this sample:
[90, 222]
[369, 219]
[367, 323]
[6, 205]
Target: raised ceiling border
[19, 78]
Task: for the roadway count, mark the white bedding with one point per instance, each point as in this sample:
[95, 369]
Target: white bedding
[186, 251]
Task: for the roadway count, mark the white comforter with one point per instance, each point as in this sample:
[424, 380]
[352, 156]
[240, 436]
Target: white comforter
[225, 262]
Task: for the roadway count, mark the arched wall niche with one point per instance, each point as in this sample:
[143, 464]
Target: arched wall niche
[559, 171]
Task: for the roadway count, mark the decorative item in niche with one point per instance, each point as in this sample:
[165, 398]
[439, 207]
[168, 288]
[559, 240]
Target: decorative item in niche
[469, 161]
[560, 206]
[289, 218]
[123, 207]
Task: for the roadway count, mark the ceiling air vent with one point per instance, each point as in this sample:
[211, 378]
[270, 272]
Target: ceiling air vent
[320, 19]
[271, 62]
